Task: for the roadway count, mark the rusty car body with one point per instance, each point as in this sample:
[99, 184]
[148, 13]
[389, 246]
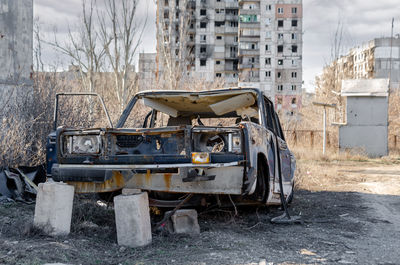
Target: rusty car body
[241, 152]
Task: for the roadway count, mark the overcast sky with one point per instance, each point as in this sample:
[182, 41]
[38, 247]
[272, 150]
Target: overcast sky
[362, 20]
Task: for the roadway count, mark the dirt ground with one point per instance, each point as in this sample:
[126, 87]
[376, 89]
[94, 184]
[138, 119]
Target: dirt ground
[350, 209]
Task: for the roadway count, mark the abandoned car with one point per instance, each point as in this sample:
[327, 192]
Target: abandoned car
[208, 143]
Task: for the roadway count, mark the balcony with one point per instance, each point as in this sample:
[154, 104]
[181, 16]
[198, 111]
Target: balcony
[248, 65]
[231, 17]
[231, 30]
[219, 17]
[231, 4]
[255, 11]
[231, 55]
[230, 68]
[252, 1]
[219, 67]
[244, 52]
[249, 25]
[220, 30]
[249, 38]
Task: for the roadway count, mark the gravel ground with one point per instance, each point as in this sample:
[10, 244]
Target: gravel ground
[351, 214]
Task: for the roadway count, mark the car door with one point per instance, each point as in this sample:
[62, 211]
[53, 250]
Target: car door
[284, 152]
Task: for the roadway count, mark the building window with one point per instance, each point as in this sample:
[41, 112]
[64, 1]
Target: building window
[165, 2]
[219, 23]
[294, 101]
[166, 14]
[217, 62]
[294, 23]
[279, 101]
[280, 48]
[267, 22]
[279, 75]
[280, 10]
[218, 75]
[268, 74]
[203, 38]
[269, 7]
[294, 87]
[267, 61]
[294, 10]
[294, 62]
[219, 37]
[203, 12]
[280, 23]
[203, 62]
[280, 87]
[294, 74]
[294, 36]
[280, 36]
[294, 48]
[203, 49]
[266, 47]
[280, 62]
[203, 25]
[248, 18]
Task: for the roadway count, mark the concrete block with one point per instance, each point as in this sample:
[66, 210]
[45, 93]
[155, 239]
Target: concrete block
[184, 222]
[53, 209]
[127, 191]
[132, 218]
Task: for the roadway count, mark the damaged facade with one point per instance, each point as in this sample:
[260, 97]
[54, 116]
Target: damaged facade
[16, 41]
[370, 60]
[245, 43]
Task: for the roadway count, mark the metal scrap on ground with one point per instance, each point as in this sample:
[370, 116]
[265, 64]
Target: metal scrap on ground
[20, 184]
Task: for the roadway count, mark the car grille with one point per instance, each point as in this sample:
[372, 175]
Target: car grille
[129, 140]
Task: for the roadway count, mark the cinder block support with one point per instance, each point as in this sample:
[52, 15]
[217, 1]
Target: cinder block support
[132, 218]
[184, 222]
[53, 210]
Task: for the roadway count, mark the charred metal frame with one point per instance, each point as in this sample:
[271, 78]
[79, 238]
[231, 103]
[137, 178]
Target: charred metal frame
[112, 171]
[55, 117]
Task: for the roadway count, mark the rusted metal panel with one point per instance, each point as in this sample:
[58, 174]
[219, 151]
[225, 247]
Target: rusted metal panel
[228, 180]
[116, 182]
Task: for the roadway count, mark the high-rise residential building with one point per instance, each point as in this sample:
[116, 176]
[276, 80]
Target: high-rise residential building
[247, 43]
[378, 58]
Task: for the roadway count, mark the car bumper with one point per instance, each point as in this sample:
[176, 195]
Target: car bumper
[215, 178]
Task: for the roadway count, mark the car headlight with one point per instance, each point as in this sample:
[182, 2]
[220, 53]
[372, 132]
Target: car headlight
[83, 144]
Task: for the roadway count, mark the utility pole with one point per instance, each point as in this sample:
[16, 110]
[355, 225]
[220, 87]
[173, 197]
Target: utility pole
[390, 78]
[390, 58]
[325, 105]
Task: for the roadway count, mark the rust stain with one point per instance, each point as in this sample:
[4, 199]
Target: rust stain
[116, 182]
[167, 180]
[148, 177]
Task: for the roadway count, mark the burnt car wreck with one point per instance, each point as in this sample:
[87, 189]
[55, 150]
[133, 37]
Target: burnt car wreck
[209, 143]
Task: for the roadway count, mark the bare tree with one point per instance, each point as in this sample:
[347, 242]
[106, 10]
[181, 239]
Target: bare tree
[175, 43]
[121, 36]
[83, 47]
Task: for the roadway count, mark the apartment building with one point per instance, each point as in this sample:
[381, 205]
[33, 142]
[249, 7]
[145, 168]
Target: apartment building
[378, 58]
[246, 43]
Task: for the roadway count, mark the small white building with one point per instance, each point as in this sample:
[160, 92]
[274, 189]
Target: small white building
[366, 127]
